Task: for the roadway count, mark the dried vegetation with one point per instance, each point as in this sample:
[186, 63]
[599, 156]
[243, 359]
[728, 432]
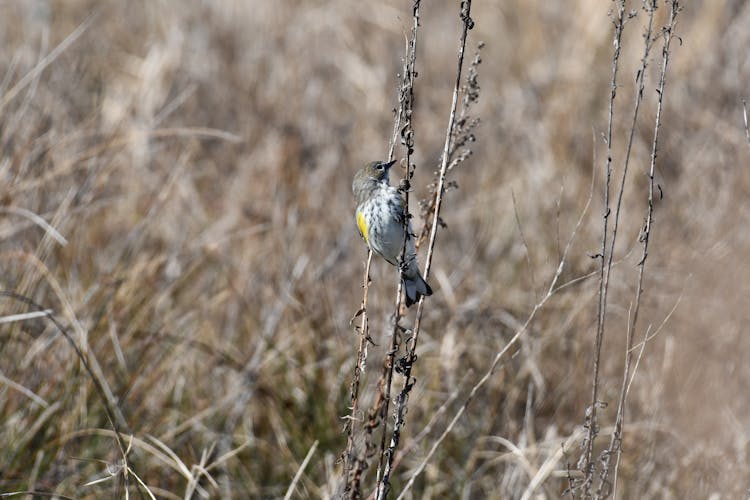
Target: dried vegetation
[176, 189]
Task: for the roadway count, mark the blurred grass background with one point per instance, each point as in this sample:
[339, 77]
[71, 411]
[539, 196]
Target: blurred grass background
[197, 158]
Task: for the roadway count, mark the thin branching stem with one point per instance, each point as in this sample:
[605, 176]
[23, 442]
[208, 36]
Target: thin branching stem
[616, 440]
[402, 398]
[552, 289]
[619, 24]
[350, 456]
[744, 117]
[651, 6]
[407, 139]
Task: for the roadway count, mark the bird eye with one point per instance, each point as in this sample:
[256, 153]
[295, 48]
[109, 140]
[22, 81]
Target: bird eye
[379, 166]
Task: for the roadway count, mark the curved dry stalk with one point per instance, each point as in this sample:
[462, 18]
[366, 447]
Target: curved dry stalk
[551, 291]
[101, 392]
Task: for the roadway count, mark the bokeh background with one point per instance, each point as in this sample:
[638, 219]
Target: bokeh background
[196, 157]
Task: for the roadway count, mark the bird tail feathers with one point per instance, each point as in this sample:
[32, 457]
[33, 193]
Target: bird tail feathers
[415, 286]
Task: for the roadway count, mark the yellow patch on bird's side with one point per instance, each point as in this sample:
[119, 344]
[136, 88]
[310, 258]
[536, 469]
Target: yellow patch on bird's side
[362, 225]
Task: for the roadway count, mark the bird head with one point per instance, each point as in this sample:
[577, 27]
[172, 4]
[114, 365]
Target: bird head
[376, 170]
[369, 176]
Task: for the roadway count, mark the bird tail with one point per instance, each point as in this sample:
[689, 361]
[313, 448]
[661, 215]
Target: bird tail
[414, 285]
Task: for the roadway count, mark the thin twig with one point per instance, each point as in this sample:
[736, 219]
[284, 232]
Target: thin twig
[744, 116]
[301, 469]
[350, 456]
[12, 318]
[551, 290]
[402, 398]
[427, 429]
[651, 7]
[46, 61]
[407, 140]
[527, 252]
[616, 439]
[648, 338]
[585, 462]
[354, 466]
[39, 221]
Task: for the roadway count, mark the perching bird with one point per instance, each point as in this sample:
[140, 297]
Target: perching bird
[381, 215]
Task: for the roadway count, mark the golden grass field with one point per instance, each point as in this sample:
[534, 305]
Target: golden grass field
[176, 188]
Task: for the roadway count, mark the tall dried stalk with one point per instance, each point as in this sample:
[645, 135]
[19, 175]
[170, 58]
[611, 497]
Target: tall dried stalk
[406, 363]
[586, 462]
[407, 140]
[355, 461]
[615, 446]
[619, 25]
[744, 118]
[551, 290]
[351, 459]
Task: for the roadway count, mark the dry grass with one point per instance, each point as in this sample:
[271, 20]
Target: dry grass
[195, 161]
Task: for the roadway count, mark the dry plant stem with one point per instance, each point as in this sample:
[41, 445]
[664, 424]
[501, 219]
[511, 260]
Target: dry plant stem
[349, 456]
[609, 255]
[382, 484]
[603, 270]
[45, 62]
[301, 469]
[406, 99]
[525, 246]
[353, 465]
[402, 398]
[427, 429]
[616, 440]
[640, 80]
[744, 117]
[551, 290]
[462, 135]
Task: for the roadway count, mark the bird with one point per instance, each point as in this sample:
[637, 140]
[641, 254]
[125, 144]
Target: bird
[381, 216]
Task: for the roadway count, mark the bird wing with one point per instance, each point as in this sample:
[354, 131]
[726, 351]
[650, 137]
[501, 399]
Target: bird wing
[401, 208]
[362, 225]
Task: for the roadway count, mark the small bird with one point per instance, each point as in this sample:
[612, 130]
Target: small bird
[381, 215]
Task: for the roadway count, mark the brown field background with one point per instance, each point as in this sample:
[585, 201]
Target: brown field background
[197, 159]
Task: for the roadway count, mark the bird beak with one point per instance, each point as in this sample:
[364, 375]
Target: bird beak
[389, 164]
